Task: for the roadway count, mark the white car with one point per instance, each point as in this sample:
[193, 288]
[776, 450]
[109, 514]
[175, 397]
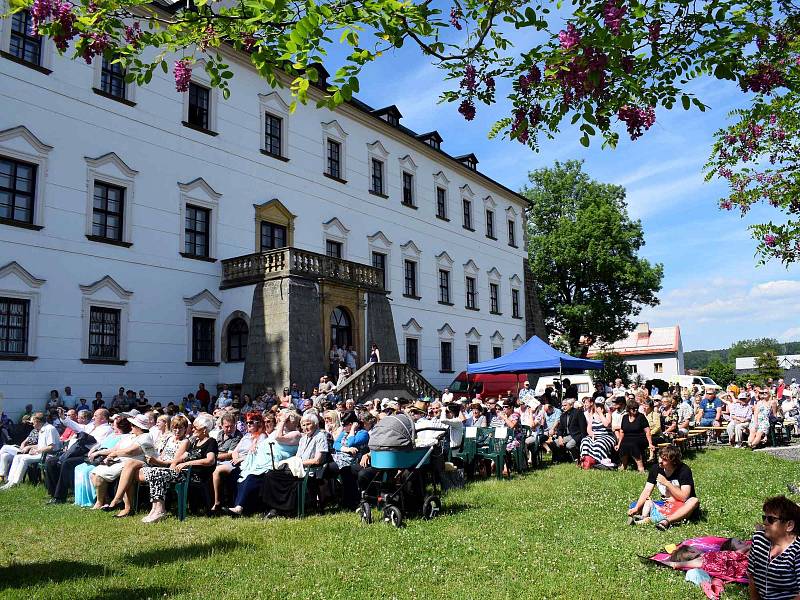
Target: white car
[687, 381]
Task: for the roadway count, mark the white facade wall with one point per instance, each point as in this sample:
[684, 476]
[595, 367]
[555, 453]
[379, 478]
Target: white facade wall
[63, 113]
[645, 366]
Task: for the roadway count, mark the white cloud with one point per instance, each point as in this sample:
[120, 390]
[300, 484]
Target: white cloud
[790, 335]
[648, 200]
[783, 288]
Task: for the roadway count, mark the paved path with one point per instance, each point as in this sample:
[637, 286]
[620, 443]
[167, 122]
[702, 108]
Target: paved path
[785, 452]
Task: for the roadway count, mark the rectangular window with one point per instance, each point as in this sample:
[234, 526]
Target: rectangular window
[472, 353]
[107, 211]
[14, 326]
[202, 340]
[467, 205]
[632, 369]
[444, 286]
[412, 353]
[441, 203]
[104, 333]
[379, 262]
[273, 129]
[17, 189]
[112, 79]
[333, 249]
[490, 224]
[410, 278]
[497, 352]
[334, 159]
[408, 189]
[471, 296]
[198, 231]
[446, 357]
[515, 303]
[377, 176]
[658, 367]
[199, 98]
[23, 44]
[272, 236]
[512, 233]
[494, 298]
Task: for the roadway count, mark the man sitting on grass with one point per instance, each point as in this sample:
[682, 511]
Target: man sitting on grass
[676, 484]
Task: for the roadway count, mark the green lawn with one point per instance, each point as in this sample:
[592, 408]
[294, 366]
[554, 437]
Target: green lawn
[555, 533]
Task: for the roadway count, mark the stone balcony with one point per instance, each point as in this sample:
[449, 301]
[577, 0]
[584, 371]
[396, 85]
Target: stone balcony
[293, 262]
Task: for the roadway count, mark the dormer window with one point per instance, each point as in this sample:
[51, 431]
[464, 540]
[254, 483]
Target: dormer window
[390, 114]
[392, 119]
[468, 160]
[432, 139]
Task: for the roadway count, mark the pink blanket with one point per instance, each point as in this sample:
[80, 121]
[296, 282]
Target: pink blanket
[703, 544]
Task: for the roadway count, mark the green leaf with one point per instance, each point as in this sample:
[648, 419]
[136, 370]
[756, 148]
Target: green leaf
[686, 102]
[585, 140]
[164, 66]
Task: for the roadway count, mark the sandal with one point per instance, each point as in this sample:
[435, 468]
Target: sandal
[663, 525]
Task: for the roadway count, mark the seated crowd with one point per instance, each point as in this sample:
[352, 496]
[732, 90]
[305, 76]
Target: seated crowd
[242, 455]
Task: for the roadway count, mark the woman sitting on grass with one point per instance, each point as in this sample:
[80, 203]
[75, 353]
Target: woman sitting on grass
[674, 480]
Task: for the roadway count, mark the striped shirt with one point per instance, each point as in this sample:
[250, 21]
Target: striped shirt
[777, 578]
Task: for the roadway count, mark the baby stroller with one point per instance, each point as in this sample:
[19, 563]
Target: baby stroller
[405, 477]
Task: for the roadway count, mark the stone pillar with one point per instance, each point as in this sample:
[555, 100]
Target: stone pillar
[380, 327]
[285, 339]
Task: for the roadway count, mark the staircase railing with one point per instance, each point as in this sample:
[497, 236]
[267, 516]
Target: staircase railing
[373, 377]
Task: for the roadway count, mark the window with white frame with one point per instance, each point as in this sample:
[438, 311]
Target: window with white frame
[446, 335]
[515, 312]
[408, 170]
[199, 217]
[19, 311]
[471, 298]
[444, 287]
[515, 284]
[412, 334]
[200, 102]
[411, 261]
[472, 353]
[334, 151]
[334, 232]
[497, 344]
[274, 126]
[494, 278]
[23, 174]
[473, 345]
[377, 157]
[109, 81]
[105, 321]
[511, 226]
[441, 186]
[466, 205]
[380, 248]
[376, 177]
[109, 202]
[444, 269]
[202, 314]
[490, 224]
[658, 367]
[19, 44]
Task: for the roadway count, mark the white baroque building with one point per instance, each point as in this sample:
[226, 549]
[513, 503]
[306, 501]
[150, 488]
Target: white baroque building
[119, 205]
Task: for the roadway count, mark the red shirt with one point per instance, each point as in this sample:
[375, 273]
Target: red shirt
[203, 396]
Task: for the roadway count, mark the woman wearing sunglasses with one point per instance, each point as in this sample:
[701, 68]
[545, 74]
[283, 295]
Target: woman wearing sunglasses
[774, 562]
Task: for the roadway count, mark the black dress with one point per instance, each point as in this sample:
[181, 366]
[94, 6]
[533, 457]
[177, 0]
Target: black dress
[634, 444]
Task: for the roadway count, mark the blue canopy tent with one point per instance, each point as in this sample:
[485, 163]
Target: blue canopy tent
[534, 356]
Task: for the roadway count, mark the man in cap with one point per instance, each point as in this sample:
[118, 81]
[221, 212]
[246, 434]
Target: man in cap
[741, 414]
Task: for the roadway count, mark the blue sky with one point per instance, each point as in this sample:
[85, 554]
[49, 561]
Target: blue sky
[712, 285]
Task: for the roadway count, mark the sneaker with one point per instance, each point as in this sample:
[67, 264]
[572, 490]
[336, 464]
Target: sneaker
[631, 521]
[7, 486]
[793, 487]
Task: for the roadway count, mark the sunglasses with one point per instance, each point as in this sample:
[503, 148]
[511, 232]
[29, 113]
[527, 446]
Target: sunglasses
[253, 422]
[771, 519]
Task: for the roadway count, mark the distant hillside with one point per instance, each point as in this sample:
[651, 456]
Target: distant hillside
[699, 359]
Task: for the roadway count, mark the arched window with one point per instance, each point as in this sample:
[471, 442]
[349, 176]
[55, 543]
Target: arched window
[341, 329]
[237, 340]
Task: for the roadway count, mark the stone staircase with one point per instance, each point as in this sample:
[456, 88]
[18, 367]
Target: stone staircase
[385, 379]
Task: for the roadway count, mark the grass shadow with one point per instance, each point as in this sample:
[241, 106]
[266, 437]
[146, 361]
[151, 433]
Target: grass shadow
[182, 553]
[22, 575]
[132, 593]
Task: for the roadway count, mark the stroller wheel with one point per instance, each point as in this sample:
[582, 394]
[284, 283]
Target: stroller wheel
[393, 515]
[431, 507]
[365, 512]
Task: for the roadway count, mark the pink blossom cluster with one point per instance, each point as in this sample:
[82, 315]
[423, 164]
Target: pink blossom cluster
[455, 18]
[183, 74]
[654, 31]
[569, 38]
[133, 33]
[96, 44]
[766, 78]
[58, 12]
[470, 80]
[576, 82]
[637, 120]
[770, 240]
[613, 16]
[467, 109]
[488, 82]
[517, 128]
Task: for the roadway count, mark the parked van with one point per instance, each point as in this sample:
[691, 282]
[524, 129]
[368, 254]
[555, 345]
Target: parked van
[687, 381]
[584, 383]
[487, 384]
